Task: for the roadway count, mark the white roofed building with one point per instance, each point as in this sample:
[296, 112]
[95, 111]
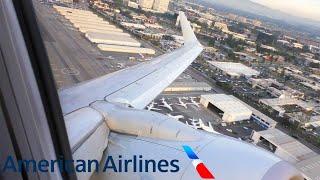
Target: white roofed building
[291, 150]
[133, 25]
[112, 39]
[230, 107]
[221, 26]
[108, 37]
[235, 69]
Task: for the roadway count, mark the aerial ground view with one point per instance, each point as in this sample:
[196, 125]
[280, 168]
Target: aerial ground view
[160, 89]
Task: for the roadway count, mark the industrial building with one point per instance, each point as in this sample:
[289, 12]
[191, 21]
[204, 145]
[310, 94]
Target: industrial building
[244, 56]
[146, 4]
[133, 25]
[221, 26]
[277, 104]
[113, 39]
[310, 168]
[156, 5]
[291, 150]
[107, 37]
[261, 119]
[90, 22]
[161, 5]
[77, 13]
[85, 17]
[63, 9]
[234, 70]
[103, 30]
[188, 86]
[314, 122]
[304, 120]
[97, 26]
[126, 49]
[232, 104]
[227, 106]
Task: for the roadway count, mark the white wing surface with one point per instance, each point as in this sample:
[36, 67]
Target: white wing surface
[136, 86]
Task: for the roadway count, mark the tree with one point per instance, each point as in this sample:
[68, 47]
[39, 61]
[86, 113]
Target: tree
[118, 3]
[211, 42]
[305, 48]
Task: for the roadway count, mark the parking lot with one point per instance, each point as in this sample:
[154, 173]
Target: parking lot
[241, 130]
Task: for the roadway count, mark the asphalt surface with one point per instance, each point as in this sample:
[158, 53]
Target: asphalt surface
[189, 112]
[72, 57]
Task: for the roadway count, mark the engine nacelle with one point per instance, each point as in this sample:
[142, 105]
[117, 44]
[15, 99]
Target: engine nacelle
[122, 119]
[155, 136]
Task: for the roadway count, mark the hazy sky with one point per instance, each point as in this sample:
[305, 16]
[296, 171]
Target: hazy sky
[303, 8]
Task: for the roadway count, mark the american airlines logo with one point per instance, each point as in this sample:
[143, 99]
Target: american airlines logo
[202, 170]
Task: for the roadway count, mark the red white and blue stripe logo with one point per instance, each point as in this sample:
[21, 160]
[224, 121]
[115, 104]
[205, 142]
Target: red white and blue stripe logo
[202, 170]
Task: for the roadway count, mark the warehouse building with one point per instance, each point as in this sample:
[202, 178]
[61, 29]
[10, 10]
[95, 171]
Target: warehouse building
[234, 70]
[103, 30]
[227, 106]
[67, 9]
[278, 104]
[91, 22]
[126, 49]
[188, 86]
[107, 37]
[98, 27]
[291, 150]
[261, 119]
[283, 145]
[133, 25]
[156, 5]
[113, 39]
[310, 168]
[77, 15]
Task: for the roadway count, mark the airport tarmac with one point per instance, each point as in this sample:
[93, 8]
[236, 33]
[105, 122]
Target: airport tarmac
[73, 58]
[184, 106]
[241, 130]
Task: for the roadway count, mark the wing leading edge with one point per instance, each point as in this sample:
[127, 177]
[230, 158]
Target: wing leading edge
[136, 86]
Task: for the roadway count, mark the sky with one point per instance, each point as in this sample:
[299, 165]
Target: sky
[302, 8]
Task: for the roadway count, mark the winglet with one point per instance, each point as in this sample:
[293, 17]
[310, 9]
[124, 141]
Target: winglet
[188, 34]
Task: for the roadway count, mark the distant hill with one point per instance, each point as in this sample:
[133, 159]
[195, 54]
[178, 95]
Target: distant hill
[258, 9]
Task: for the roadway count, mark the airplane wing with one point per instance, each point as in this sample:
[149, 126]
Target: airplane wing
[136, 86]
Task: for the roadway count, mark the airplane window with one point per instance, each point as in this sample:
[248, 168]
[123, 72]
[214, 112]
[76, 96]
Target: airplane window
[163, 82]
